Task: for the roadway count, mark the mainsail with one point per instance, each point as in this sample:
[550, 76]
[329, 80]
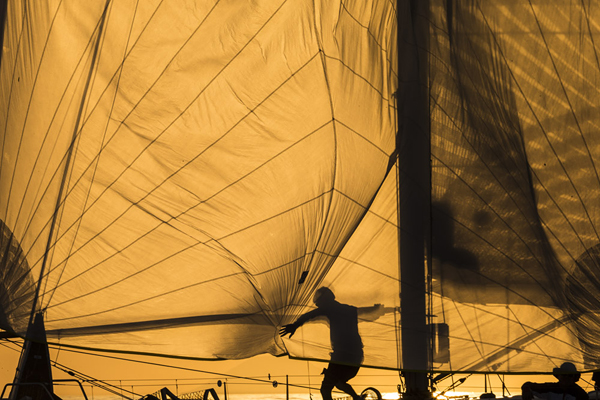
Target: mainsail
[179, 177]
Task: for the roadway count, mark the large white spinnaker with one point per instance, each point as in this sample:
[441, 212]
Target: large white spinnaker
[223, 149]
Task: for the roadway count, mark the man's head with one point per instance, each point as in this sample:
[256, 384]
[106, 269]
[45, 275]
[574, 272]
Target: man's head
[323, 296]
[566, 373]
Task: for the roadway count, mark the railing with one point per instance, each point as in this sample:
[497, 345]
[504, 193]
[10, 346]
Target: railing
[43, 385]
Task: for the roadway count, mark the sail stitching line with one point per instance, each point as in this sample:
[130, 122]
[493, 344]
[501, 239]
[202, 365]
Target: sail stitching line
[495, 213]
[26, 114]
[32, 212]
[67, 169]
[574, 117]
[507, 257]
[375, 145]
[65, 155]
[490, 171]
[37, 73]
[114, 254]
[516, 128]
[198, 204]
[358, 75]
[24, 21]
[369, 268]
[121, 65]
[159, 295]
[147, 298]
[305, 294]
[83, 125]
[386, 51]
[203, 243]
[71, 160]
[89, 116]
[97, 51]
[192, 103]
[480, 351]
[98, 162]
[198, 155]
[551, 147]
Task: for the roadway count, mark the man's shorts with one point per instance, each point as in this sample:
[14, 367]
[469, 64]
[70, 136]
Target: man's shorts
[338, 373]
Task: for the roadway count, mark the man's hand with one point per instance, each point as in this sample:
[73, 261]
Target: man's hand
[290, 328]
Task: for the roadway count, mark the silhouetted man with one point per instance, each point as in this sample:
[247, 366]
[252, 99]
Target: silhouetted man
[347, 346]
[565, 388]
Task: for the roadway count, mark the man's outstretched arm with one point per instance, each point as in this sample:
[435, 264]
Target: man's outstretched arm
[373, 312]
[291, 328]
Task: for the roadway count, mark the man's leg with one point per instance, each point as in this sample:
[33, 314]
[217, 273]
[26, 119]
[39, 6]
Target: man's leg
[326, 389]
[339, 375]
[345, 386]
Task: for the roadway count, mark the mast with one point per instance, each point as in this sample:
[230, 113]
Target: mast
[413, 144]
[34, 373]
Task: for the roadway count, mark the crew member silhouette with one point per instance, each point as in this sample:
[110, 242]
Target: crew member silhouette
[346, 344]
[564, 389]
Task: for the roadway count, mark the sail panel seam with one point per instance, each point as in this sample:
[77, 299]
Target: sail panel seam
[574, 117]
[98, 162]
[197, 156]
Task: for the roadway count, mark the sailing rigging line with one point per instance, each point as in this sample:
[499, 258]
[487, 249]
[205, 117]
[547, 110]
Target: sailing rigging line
[528, 196]
[475, 343]
[67, 167]
[497, 249]
[114, 389]
[525, 331]
[508, 192]
[46, 136]
[24, 20]
[37, 73]
[543, 130]
[187, 163]
[73, 149]
[507, 257]
[219, 374]
[267, 21]
[98, 160]
[60, 102]
[513, 126]
[562, 84]
[558, 321]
